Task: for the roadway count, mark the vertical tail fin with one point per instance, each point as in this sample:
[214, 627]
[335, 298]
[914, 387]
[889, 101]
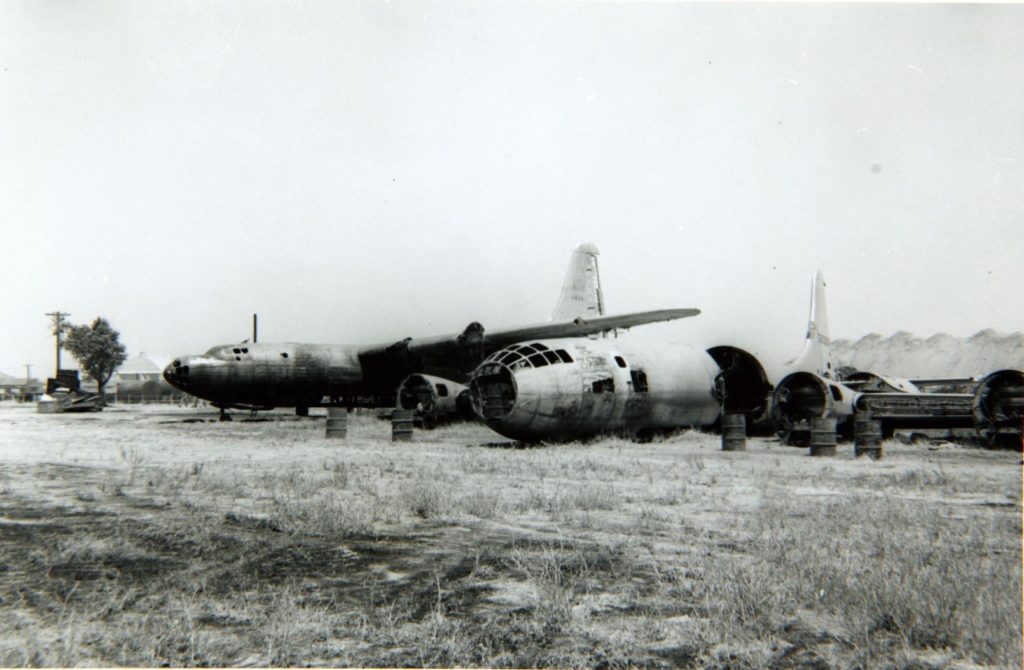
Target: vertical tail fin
[581, 292]
[816, 356]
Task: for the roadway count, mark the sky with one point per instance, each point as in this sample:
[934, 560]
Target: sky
[360, 172]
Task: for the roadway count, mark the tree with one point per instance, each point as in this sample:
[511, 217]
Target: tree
[97, 349]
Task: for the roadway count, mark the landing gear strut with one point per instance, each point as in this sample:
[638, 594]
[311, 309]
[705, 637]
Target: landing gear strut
[224, 416]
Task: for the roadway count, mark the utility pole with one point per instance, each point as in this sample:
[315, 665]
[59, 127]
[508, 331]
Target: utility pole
[28, 374]
[58, 328]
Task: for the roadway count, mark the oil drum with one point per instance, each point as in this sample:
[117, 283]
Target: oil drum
[823, 436]
[867, 437]
[401, 425]
[337, 423]
[734, 432]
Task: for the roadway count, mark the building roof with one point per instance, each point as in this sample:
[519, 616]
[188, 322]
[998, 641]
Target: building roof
[144, 363]
[8, 381]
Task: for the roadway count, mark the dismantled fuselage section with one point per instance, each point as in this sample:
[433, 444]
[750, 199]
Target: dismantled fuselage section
[573, 388]
[434, 400]
[992, 405]
[567, 389]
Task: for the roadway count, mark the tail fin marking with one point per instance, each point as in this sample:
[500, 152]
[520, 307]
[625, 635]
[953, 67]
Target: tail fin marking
[581, 296]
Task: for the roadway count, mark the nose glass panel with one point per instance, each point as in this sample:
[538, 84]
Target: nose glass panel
[177, 373]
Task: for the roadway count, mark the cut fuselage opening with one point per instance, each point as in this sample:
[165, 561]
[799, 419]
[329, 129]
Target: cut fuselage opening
[742, 382]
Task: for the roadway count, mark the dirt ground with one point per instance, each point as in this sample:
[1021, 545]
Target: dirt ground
[155, 535]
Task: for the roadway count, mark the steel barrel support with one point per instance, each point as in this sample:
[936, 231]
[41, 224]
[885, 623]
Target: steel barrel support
[867, 436]
[401, 425]
[823, 436]
[734, 432]
[337, 423]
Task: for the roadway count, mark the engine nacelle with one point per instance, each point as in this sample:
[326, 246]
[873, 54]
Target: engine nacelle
[434, 399]
[998, 408]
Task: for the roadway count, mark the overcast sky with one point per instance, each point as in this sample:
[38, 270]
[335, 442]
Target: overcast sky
[363, 171]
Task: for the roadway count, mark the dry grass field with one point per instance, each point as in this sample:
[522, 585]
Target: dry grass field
[157, 536]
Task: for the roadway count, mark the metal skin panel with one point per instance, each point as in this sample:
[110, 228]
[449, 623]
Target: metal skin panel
[268, 375]
[559, 402]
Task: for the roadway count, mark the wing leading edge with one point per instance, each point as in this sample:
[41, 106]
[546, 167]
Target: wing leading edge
[465, 350]
[583, 327]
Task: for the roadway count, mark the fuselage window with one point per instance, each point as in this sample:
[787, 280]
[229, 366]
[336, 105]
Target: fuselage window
[236, 350]
[284, 354]
[620, 361]
[604, 386]
[244, 350]
[539, 347]
[538, 361]
[564, 355]
[552, 357]
[639, 378]
[442, 390]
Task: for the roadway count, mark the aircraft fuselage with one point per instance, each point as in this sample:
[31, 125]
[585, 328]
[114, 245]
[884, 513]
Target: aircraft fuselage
[575, 388]
[266, 375]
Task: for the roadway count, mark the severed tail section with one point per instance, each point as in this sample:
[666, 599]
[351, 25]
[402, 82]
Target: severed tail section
[581, 296]
[816, 356]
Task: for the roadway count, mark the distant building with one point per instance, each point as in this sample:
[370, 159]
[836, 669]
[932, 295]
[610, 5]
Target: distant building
[140, 379]
[20, 389]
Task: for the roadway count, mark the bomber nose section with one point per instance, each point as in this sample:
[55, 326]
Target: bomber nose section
[177, 374]
[492, 391]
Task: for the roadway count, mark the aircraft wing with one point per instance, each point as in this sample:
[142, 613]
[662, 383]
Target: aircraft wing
[464, 351]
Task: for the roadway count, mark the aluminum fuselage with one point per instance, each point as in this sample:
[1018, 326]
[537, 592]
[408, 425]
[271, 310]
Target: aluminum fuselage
[610, 386]
[269, 375]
